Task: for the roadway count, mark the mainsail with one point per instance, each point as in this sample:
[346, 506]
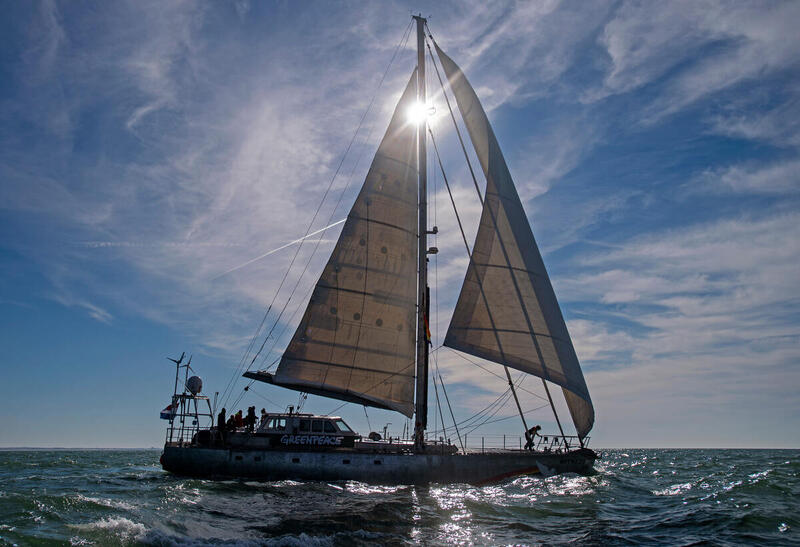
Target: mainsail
[507, 310]
[356, 341]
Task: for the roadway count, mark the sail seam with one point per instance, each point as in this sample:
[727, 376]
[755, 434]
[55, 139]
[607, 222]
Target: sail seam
[350, 347]
[382, 223]
[364, 293]
[513, 331]
[349, 367]
[488, 207]
[508, 267]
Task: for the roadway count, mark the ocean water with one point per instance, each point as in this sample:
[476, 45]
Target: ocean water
[673, 497]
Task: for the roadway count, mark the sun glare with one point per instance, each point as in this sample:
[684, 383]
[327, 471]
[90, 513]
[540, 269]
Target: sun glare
[418, 112]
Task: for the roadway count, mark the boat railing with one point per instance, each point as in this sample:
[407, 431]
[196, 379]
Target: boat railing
[192, 415]
[505, 443]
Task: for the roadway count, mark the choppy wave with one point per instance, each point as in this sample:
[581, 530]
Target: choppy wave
[636, 496]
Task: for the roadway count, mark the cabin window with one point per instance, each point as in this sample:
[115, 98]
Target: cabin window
[280, 423]
[343, 426]
[270, 424]
[329, 428]
[316, 426]
[304, 425]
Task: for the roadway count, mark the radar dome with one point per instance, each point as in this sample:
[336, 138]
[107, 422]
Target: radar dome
[194, 384]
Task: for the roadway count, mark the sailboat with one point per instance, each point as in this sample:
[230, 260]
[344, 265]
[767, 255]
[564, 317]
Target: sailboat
[364, 335]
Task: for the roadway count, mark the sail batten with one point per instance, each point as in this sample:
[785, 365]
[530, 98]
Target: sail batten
[356, 341]
[507, 311]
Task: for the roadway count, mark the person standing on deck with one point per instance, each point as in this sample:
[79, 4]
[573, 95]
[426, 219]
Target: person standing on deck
[238, 420]
[221, 424]
[251, 418]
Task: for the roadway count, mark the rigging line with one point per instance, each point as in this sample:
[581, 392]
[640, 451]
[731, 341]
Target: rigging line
[477, 276]
[404, 37]
[490, 412]
[480, 282]
[407, 34]
[492, 415]
[436, 311]
[282, 247]
[286, 325]
[500, 400]
[388, 377]
[369, 426]
[239, 398]
[513, 277]
[452, 116]
[452, 416]
[273, 403]
[480, 413]
[438, 404]
[494, 373]
[435, 284]
[509, 417]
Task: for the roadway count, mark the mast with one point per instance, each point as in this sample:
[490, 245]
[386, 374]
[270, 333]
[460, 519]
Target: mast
[421, 402]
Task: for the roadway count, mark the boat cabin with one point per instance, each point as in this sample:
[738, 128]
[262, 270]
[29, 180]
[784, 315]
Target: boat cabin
[295, 431]
[304, 424]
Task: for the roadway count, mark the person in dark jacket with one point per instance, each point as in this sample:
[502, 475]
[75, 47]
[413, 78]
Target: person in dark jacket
[251, 418]
[529, 436]
[221, 424]
[238, 420]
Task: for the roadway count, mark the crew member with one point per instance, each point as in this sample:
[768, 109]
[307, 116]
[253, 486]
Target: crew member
[529, 436]
[251, 418]
[221, 424]
[238, 420]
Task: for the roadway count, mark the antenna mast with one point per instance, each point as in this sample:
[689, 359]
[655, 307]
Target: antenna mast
[421, 407]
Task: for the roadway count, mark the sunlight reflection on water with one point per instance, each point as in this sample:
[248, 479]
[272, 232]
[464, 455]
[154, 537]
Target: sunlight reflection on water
[636, 496]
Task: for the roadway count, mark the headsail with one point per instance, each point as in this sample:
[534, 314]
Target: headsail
[356, 340]
[507, 310]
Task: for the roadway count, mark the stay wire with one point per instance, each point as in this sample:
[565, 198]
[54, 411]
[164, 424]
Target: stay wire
[508, 262]
[494, 373]
[389, 377]
[436, 311]
[239, 368]
[501, 400]
[336, 207]
[341, 195]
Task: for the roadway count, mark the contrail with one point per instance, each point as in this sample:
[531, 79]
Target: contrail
[278, 249]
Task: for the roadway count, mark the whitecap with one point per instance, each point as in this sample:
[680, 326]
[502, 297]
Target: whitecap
[760, 475]
[124, 528]
[113, 504]
[674, 490]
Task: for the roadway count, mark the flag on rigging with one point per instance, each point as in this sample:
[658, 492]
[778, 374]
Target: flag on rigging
[427, 328]
[169, 412]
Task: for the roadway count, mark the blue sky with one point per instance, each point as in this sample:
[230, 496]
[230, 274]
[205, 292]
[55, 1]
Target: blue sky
[148, 147]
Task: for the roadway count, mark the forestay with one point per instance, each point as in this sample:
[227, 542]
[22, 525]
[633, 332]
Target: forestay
[507, 310]
[356, 340]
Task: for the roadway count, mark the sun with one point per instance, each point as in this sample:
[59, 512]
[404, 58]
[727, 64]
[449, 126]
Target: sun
[418, 112]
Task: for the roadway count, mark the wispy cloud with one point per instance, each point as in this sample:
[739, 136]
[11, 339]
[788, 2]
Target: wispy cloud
[778, 178]
[177, 141]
